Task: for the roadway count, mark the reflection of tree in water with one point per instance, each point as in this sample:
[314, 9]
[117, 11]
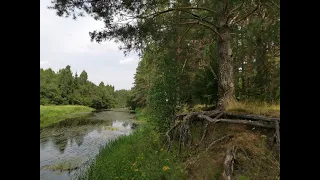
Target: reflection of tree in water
[99, 129]
[60, 142]
[79, 140]
[125, 124]
[44, 140]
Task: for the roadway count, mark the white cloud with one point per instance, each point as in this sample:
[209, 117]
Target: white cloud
[43, 62]
[127, 61]
[102, 47]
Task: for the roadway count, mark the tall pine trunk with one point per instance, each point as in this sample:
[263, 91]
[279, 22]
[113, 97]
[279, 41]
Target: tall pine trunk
[226, 89]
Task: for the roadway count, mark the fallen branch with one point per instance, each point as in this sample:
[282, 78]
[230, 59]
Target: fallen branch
[218, 140]
[236, 121]
[211, 113]
[251, 117]
[205, 129]
[168, 136]
[228, 163]
[278, 135]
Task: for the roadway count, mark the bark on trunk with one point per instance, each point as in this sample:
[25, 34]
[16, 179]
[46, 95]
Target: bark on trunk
[226, 89]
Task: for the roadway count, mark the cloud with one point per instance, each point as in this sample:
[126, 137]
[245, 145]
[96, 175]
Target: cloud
[127, 61]
[102, 47]
[43, 62]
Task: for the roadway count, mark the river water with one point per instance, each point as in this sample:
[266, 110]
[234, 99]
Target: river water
[69, 146]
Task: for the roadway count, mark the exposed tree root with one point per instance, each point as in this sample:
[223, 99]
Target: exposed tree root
[185, 120]
[205, 129]
[252, 117]
[218, 140]
[237, 121]
[277, 127]
[228, 163]
[168, 136]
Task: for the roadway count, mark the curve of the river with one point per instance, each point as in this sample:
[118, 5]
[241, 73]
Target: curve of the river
[70, 145]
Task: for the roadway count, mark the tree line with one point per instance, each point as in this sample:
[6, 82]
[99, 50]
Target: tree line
[64, 88]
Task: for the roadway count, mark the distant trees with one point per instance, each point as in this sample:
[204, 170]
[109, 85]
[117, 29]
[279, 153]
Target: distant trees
[63, 88]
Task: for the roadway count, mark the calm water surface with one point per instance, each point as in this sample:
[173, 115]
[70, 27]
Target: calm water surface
[70, 145]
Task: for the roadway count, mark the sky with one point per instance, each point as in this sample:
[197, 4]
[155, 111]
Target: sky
[64, 41]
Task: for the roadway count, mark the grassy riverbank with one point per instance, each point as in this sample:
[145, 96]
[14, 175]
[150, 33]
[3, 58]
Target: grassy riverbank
[53, 114]
[137, 156]
[141, 155]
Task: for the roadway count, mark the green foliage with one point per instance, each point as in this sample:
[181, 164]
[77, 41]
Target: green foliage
[63, 88]
[162, 98]
[141, 114]
[53, 114]
[137, 156]
[121, 97]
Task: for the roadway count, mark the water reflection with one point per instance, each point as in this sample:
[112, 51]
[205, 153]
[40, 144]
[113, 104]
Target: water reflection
[72, 143]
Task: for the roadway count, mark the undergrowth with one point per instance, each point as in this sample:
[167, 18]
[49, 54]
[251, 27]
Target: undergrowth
[140, 155]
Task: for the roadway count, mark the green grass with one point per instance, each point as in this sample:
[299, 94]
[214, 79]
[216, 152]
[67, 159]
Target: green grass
[140, 114]
[260, 108]
[137, 156]
[53, 114]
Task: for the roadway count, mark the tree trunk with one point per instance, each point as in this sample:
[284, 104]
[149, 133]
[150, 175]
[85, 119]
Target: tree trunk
[226, 89]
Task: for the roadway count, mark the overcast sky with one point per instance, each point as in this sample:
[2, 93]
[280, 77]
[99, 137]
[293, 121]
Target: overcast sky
[64, 41]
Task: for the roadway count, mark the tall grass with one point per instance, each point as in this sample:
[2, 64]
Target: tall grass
[249, 107]
[260, 108]
[53, 114]
[137, 156]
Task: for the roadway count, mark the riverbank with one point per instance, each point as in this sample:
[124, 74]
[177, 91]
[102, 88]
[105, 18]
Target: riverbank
[140, 155]
[53, 114]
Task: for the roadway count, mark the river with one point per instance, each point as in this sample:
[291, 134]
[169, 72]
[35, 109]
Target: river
[69, 146]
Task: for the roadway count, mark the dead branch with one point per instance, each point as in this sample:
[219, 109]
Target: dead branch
[202, 24]
[211, 113]
[236, 121]
[234, 9]
[205, 129]
[251, 117]
[205, 132]
[278, 135]
[248, 14]
[228, 163]
[168, 136]
[153, 15]
[218, 140]
[201, 19]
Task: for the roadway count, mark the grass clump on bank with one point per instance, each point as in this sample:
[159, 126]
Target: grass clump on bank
[260, 108]
[137, 156]
[244, 107]
[53, 114]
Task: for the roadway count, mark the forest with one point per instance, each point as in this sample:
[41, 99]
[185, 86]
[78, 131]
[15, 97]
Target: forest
[64, 88]
[207, 84]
